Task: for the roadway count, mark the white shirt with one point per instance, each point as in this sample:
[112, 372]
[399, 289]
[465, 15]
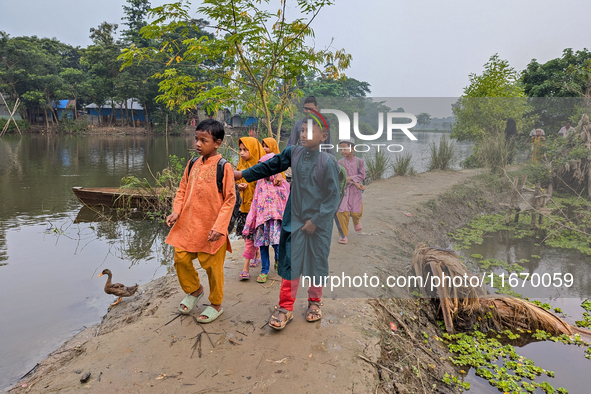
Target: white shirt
[564, 132]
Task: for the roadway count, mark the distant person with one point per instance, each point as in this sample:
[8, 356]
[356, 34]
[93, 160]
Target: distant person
[201, 215]
[534, 131]
[566, 129]
[510, 136]
[310, 105]
[510, 130]
[352, 205]
[537, 140]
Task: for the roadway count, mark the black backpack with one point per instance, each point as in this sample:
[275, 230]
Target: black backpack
[220, 183]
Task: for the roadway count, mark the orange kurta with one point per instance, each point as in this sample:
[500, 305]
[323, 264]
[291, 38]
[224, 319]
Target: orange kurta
[202, 208]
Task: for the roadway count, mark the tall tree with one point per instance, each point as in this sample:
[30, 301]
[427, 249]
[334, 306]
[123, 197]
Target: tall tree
[423, 119]
[253, 62]
[489, 100]
[100, 62]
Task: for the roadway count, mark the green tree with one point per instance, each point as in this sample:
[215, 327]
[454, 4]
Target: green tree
[423, 119]
[560, 89]
[101, 64]
[254, 61]
[489, 100]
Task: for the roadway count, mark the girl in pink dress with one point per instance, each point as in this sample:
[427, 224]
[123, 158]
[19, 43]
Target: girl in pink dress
[264, 220]
[351, 206]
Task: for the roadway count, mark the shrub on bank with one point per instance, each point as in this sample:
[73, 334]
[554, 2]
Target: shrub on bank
[377, 165]
[401, 165]
[442, 156]
[23, 125]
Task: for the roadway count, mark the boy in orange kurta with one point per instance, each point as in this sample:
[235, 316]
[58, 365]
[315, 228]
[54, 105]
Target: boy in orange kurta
[201, 216]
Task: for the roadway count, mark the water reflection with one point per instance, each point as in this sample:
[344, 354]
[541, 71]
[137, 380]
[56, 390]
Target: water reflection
[50, 249]
[567, 361]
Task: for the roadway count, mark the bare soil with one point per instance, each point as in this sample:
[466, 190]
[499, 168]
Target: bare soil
[142, 346]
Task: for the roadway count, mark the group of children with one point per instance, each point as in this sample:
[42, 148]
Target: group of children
[295, 220]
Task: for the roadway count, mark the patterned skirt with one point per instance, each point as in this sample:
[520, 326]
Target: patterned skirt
[268, 233]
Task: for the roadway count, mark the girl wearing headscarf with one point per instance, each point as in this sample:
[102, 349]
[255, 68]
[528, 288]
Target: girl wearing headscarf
[250, 153]
[271, 146]
[264, 219]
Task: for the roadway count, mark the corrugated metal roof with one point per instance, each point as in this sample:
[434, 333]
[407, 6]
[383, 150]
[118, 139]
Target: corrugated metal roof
[131, 104]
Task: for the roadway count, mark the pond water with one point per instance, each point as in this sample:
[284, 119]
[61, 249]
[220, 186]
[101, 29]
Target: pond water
[51, 250]
[568, 362]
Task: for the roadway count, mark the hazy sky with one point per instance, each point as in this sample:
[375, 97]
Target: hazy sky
[406, 48]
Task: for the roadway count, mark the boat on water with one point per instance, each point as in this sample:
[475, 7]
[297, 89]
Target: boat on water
[114, 197]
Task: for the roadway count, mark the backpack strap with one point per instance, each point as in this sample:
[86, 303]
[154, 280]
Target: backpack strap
[358, 168]
[219, 178]
[191, 162]
[321, 166]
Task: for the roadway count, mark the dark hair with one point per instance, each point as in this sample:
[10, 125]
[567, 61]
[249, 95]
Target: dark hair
[213, 127]
[568, 121]
[325, 129]
[311, 99]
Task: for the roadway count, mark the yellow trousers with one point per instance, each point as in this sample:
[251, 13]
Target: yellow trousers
[343, 218]
[213, 264]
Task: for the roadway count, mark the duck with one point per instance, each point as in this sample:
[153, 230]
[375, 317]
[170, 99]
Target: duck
[117, 289]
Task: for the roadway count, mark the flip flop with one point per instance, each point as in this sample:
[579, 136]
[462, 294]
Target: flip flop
[254, 263]
[344, 240]
[190, 301]
[211, 314]
[244, 275]
[262, 278]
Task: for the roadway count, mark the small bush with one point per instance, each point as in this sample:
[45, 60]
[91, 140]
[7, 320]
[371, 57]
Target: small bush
[401, 165]
[377, 165]
[471, 161]
[494, 152]
[442, 157]
[67, 125]
[23, 125]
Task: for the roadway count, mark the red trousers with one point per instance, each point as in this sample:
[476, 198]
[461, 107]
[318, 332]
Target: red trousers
[289, 291]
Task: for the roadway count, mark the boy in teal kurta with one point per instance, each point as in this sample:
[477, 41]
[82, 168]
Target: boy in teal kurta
[308, 219]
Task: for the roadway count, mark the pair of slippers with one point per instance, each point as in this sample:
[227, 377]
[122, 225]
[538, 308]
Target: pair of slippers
[244, 275]
[210, 312]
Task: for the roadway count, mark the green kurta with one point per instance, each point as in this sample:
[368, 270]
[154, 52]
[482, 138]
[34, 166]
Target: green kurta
[310, 199]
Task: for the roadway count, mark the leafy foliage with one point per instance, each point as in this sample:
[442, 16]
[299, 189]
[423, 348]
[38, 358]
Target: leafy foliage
[442, 156]
[254, 61]
[489, 100]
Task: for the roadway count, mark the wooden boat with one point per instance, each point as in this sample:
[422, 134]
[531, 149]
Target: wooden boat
[114, 197]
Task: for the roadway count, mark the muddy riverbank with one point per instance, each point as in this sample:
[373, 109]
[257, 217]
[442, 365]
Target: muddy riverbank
[138, 347]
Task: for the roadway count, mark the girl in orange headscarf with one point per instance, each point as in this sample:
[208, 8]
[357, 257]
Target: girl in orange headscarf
[271, 146]
[250, 153]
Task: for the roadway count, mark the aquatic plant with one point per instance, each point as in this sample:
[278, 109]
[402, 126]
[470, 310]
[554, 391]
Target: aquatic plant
[499, 364]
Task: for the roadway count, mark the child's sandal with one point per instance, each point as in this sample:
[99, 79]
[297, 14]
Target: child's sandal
[276, 318]
[316, 311]
[262, 278]
[244, 275]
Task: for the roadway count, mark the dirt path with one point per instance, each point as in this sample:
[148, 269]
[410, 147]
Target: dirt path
[139, 349]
